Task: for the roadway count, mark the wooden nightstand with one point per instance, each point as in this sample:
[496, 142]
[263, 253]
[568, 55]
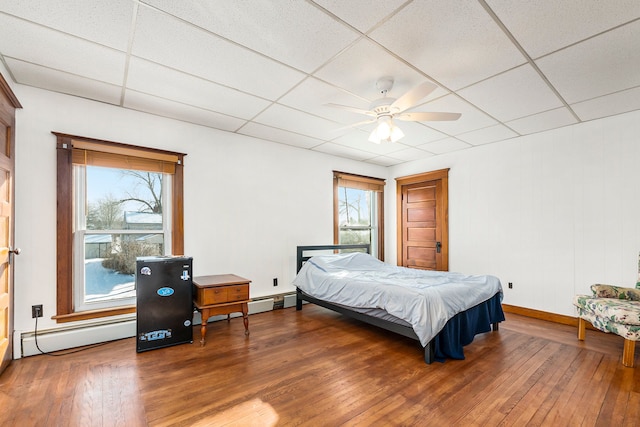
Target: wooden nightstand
[221, 294]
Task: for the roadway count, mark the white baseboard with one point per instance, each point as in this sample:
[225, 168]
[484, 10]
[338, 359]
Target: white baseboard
[69, 337]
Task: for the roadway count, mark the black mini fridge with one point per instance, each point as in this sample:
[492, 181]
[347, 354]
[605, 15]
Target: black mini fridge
[164, 302]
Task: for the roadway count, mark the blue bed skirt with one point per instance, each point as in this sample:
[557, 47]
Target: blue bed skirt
[463, 327]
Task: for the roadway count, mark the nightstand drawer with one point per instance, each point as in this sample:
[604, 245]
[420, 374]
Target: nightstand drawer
[213, 295]
[237, 292]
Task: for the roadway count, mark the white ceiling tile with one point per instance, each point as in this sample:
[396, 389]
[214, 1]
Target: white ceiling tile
[197, 52]
[312, 95]
[455, 42]
[358, 68]
[342, 151]
[471, 118]
[564, 22]
[153, 79]
[409, 154]
[58, 81]
[595, 67]
[502, 96]
[53, 49]
[278, 135]
[384, 161]
[542, 121]
[296, 33]
[487, 135]
[104, 22]
[445, 146]
[608, 105]
[165, 108]
[286, 118]
[359, 13]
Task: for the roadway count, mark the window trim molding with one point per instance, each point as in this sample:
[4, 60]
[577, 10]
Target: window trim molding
[64, 219]
[363, 183]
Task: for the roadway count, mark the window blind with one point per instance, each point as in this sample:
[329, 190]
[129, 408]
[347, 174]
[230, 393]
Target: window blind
[358, 181]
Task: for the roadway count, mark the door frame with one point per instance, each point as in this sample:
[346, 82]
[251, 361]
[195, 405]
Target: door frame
[442, 210]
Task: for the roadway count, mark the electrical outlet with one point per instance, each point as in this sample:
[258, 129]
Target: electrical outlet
[36, 311]
[275, 281]
[510, 285]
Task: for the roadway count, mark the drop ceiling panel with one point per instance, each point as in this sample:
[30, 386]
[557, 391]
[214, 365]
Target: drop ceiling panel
[597, 66]
[565, 22]
[516, 93]
[104, 22]
[295, 33]
[153, 79]
[471, 118]
[286, 118]
[445, 146]
[542, 121]
[360, 13]
[456, 43]
[616, 103]
[383, 161]
[342, 151]
[409, 154]
[58, 81]
[165, 108]
[278, 135]
[53, 49]
[358, 69]
[312, 95]
[197, 52]
[487, 135]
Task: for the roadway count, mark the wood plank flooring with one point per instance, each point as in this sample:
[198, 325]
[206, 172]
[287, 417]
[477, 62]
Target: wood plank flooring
[317, 368]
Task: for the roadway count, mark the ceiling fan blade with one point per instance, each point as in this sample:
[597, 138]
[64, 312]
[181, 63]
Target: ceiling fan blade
[365, 122]
[427, 117]
[412, 97]
[352, 109]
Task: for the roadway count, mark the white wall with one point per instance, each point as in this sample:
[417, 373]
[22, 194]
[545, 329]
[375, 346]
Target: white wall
[553, 212]
[248, 202]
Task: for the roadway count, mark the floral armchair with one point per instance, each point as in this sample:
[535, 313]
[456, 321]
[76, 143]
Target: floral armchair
[612, 309]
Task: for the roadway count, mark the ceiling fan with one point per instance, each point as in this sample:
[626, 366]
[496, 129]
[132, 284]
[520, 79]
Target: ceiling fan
[385, 110]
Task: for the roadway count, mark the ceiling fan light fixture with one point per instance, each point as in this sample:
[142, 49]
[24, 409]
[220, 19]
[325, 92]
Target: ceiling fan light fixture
[386, 131]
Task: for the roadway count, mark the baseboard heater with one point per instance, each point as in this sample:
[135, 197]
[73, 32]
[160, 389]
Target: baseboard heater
[63, 338]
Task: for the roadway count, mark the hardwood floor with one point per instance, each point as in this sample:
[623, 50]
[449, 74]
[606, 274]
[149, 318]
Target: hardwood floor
[317, 368]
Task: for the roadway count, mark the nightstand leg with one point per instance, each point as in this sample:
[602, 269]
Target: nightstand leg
[203, 327]
[245, 317]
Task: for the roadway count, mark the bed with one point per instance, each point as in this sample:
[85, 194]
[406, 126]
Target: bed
[443, 311]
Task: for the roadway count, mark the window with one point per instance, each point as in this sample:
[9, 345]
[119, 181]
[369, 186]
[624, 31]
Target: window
[358, 211]
[115, 202]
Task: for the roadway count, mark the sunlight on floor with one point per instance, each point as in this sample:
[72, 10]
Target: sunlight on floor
[251, 413]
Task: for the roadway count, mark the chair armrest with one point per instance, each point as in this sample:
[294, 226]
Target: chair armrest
[617, 292]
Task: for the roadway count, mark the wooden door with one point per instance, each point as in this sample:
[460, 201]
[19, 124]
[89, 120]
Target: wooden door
[423, 229]
[8, 104]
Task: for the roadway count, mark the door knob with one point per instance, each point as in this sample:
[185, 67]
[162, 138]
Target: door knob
[15, 251]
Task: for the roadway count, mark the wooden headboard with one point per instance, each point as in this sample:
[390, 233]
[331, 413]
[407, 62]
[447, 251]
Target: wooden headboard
[301, 257]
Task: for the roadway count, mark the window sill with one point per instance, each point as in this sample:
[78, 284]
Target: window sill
[94, 314]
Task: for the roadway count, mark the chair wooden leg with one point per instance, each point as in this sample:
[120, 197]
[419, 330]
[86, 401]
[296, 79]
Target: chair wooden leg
[581, 328]
[628, 353]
